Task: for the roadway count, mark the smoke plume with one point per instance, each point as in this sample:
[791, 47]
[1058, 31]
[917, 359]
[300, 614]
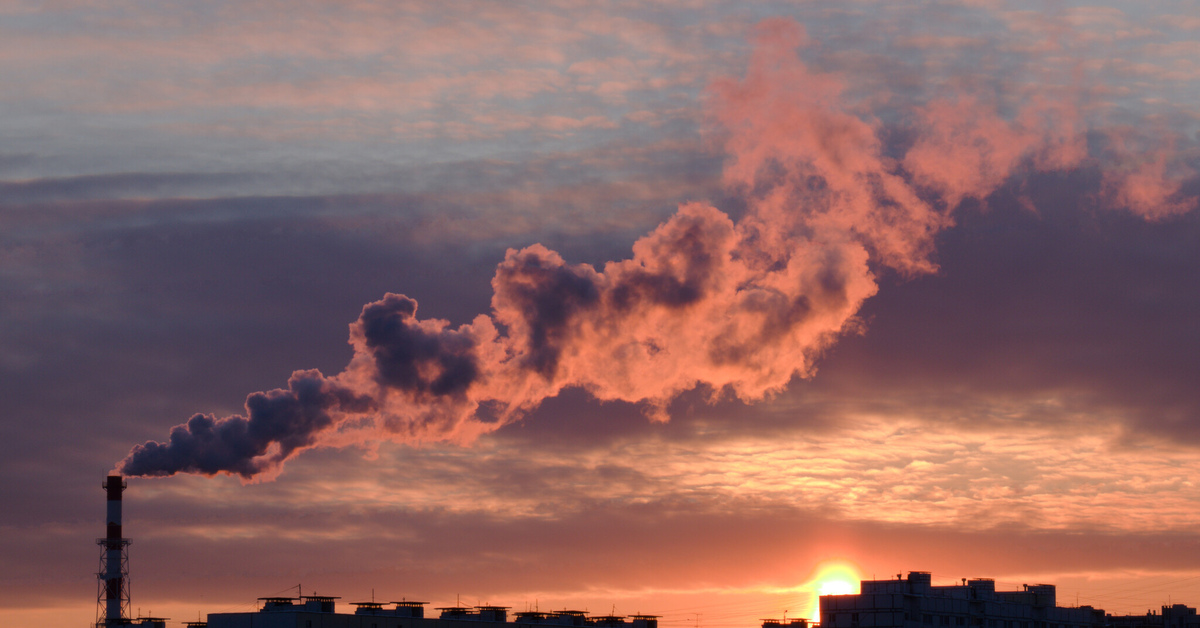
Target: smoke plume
[733, 307]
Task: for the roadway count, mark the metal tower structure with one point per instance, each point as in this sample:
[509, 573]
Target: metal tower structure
[112, 597]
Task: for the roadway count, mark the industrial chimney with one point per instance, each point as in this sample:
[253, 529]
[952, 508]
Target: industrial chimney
[112, 600]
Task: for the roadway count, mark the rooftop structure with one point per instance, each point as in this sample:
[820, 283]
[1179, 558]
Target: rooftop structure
[914, 602]
[321, 612]
[1173, 616]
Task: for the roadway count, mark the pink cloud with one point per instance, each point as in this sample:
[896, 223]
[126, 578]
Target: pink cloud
[966, 149]
[822, 165]
[1147, 183]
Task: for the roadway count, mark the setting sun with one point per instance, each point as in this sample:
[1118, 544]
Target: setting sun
[835, 578]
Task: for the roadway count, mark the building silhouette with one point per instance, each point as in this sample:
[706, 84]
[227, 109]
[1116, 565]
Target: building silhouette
[312, 611]
[913, 602]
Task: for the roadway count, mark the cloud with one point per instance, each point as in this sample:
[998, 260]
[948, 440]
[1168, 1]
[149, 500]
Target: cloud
[734, 307]
[1149, 175]
[809, 163]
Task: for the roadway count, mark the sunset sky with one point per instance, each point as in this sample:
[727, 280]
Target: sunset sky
[666, 307]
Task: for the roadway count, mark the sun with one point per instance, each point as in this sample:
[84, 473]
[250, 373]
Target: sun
[835, 577]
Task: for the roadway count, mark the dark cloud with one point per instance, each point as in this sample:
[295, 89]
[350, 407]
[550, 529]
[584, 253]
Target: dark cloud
[95, 187]
[683, 274]
[277, 424]
[545, 296]
[418, 359]
[1064, 301]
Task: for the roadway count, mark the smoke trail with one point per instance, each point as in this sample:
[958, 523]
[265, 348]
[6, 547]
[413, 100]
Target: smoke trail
[277, 424]
[738, 307]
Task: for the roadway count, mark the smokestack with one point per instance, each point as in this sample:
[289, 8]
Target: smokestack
[112, 600]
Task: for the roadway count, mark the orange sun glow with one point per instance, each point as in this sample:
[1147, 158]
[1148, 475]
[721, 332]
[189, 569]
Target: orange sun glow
[835, 577]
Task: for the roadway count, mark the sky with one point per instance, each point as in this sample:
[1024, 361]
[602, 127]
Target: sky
[678, 307]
